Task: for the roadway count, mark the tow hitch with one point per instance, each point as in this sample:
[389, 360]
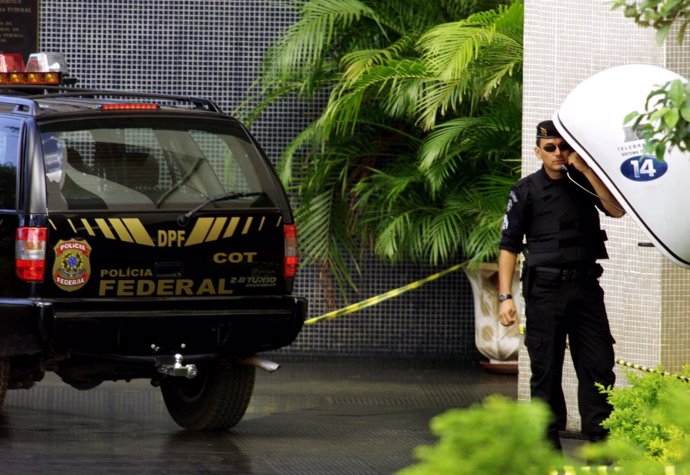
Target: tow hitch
[178, 369]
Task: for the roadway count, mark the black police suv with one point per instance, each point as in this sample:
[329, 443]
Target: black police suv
[141, 236]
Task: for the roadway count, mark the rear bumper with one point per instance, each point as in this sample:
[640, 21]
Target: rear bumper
[26, 326]
[236, 326]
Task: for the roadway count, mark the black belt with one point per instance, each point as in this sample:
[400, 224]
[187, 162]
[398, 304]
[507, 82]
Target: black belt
[577, 273]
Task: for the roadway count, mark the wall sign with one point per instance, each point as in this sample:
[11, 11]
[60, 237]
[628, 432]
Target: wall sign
[19, 26]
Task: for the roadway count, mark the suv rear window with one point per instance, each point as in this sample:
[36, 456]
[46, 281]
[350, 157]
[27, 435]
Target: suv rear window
[143, 164]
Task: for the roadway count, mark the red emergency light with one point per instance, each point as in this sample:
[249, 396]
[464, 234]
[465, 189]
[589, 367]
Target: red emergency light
[41, 69]
[11, 63]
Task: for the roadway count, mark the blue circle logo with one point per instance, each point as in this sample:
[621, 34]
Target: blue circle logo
[643, 168]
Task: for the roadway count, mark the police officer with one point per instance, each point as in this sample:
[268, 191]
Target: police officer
[560, 222]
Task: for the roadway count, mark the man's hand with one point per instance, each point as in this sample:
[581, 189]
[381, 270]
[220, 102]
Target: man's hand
[608, 201]
[576, 161]
[507, 312]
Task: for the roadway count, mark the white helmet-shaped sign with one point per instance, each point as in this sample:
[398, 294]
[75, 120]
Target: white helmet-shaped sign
[655, 193]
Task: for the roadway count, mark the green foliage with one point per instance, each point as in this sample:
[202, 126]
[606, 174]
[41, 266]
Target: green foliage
[658, 14]
[666, 120]
[419, 141]
[498, 437]
[649, 434]
[650, 424]
[638, 416]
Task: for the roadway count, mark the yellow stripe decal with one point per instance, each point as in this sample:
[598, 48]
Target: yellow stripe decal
[261, 224]
[247, 225]
[231, 227]
[88, 227]
[52, 224]
[103, 226]
[138, 231]
[216, 229]
[200, 231]
[121, 230]
[71, 224]
[280, 221]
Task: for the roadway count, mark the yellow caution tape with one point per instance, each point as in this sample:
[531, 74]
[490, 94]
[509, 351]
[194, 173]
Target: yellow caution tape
[381, 297]
[651, 370]
[570, 470]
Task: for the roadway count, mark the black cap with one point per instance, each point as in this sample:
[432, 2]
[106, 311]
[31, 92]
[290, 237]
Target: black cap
[546, 130]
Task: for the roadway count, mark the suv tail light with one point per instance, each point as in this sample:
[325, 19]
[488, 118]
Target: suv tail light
[30, 253]
[129, 107]
[291, 259]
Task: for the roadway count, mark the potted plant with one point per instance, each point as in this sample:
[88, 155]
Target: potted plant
[419, 140]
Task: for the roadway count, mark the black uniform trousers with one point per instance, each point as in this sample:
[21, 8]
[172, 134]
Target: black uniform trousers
[569, 303]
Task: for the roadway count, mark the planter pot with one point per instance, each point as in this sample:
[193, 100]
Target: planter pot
[499, 344]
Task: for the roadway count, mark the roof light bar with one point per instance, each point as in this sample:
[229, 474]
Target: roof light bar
[41, 69]
[20, 78]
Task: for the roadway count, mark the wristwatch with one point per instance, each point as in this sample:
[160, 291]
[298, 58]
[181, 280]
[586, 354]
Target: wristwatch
[502, 297]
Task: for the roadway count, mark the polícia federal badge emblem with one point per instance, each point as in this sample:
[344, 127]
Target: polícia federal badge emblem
[72, 267]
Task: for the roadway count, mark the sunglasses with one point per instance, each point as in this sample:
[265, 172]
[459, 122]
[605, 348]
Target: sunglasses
[551, 147]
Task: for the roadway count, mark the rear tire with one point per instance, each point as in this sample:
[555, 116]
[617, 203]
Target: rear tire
[216, 399]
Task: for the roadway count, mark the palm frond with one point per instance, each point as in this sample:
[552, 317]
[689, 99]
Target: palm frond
[324, 236]
[444, 236]
[480, 243]
[511, 20]
[469, 146]
[500, 63]
[447, 140]
[466, 8]
[389, 238]
[357, 63]
[385, 188]
[306, 42]
[449, 49]
[286, 164]
[394, 81]
[469, 59]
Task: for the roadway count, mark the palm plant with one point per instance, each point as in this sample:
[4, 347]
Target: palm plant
[412, 154]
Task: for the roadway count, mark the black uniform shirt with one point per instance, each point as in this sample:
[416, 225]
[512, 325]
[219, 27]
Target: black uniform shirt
[516, 220]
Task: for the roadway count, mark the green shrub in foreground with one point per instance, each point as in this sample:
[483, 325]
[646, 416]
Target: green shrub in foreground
[650, 432]
[498, 437]
[650, 424]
